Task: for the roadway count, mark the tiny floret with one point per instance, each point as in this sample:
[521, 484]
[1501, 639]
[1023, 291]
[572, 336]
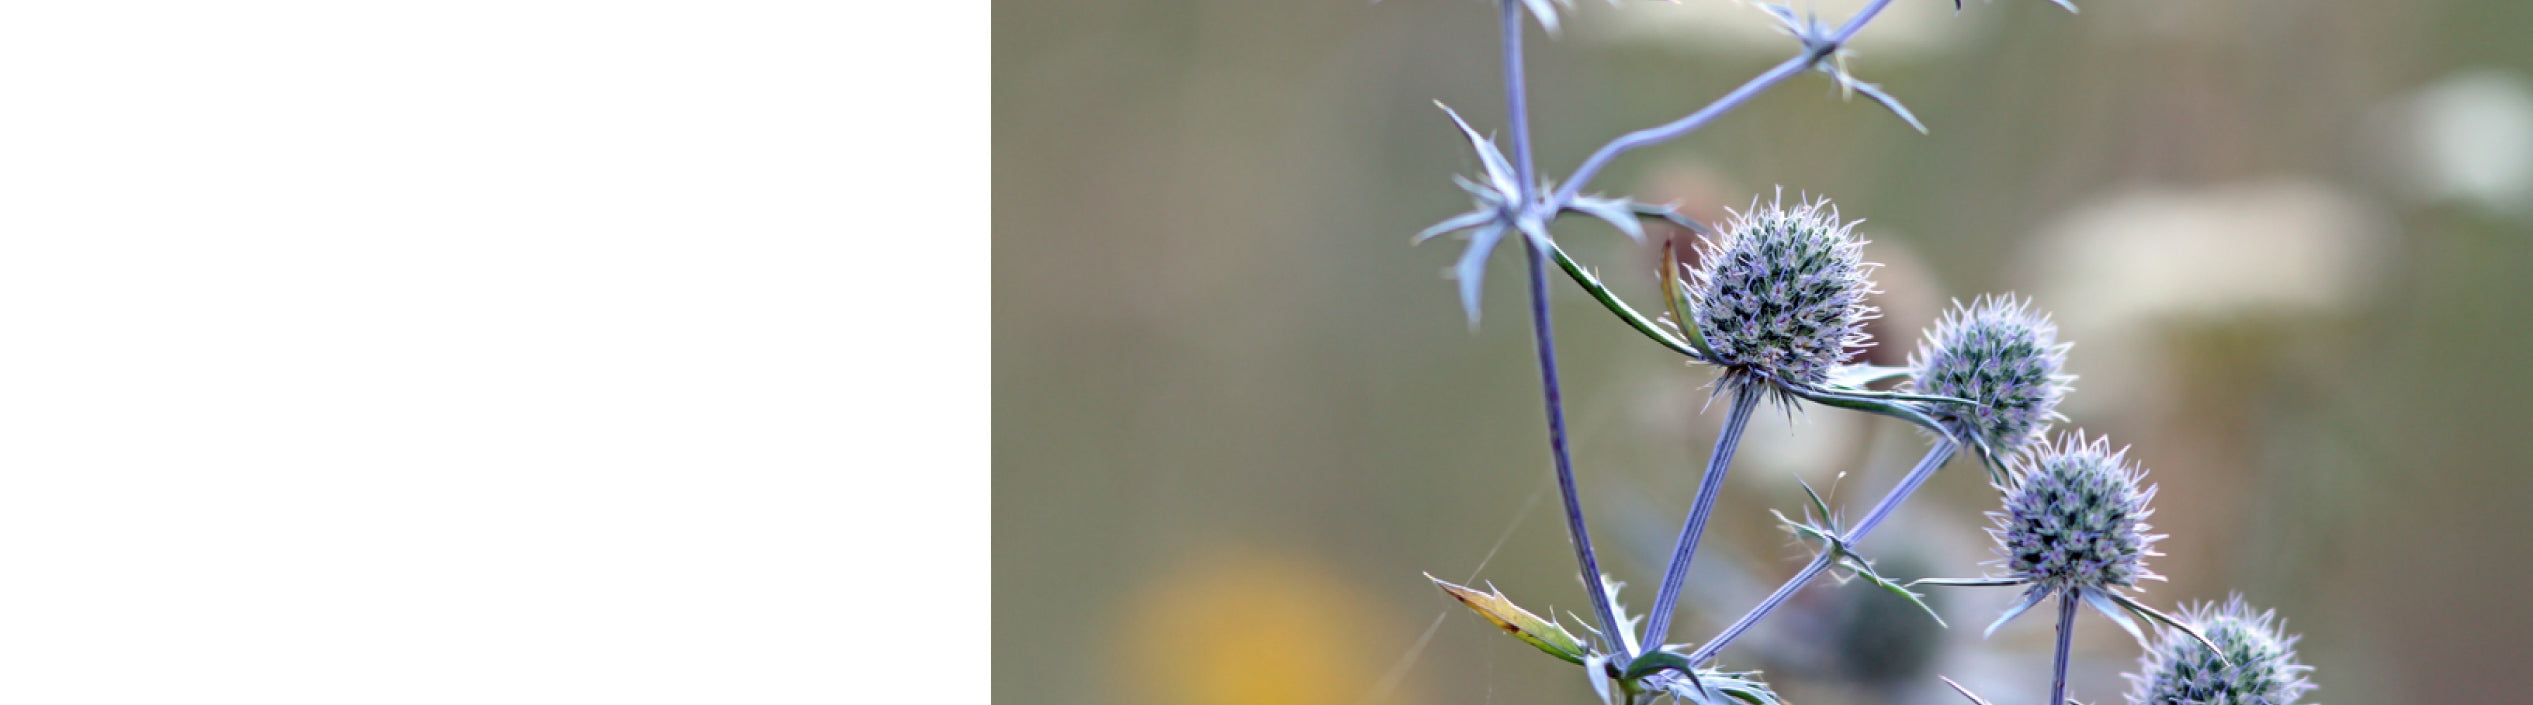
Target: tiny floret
[1781, 296]
[2002, 355]
[2075, 519]
[2259, 665]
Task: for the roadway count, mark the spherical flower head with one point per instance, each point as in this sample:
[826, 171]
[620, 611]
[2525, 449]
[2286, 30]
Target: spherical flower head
[2075, 518]
[2259, 665]
[2001, 354]
[1782, 295]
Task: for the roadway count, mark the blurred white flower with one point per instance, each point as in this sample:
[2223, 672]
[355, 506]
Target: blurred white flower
[2469, 138]
[2122, 267]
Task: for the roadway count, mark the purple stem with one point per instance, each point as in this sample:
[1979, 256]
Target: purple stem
[1673, 130]
[1935, 458]
[2066, 637]
[1745, 398]
[1543, 332]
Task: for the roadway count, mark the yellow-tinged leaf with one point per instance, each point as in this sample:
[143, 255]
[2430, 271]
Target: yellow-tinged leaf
[1514, 620]
[1675, 293]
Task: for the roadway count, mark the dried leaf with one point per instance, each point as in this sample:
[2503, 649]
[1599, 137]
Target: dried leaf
[1545, 635]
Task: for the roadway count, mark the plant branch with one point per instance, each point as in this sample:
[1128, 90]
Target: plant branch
[1935, 458]
[1675, 129]
[1543, 333]
[1516, 98]
[1746, 397]
[1609, 300]
[2066, 638]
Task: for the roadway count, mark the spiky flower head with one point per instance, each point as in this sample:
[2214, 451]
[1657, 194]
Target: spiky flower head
[2259, 665]
[1999, 353]
[1781, 297]
[2075, 518]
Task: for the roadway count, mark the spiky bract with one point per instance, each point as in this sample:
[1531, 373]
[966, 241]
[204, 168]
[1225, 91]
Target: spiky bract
[1781, 297]
[1999, 353]
[2075, 518]
[2259, 665]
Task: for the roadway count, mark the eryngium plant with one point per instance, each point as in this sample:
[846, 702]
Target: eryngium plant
[1781, 296]
[1776, 303]
[2000, 353]
[2251, 663]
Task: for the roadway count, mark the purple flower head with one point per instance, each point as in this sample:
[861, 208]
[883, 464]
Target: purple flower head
[1999, 353]
[1781, 296]
[2259, 665]
[2074, 523]
[2075, 519]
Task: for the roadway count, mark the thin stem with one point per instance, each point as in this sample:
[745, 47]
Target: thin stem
[1675, 129]
[1745, 398]
[1609, 300]
[2066, 637]
[1516, 97]
[1857, 23]
[1543, 333]
[1935, 458]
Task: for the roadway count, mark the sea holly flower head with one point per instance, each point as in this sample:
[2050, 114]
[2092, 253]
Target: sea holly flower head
[1781, 296]
[2075, 521]
[2001, 354]
[2245, 661]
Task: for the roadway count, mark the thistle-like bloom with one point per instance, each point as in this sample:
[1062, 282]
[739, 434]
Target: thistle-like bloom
[2258, 665]
[1781, 296]
[2074, 520]
[2000, 353]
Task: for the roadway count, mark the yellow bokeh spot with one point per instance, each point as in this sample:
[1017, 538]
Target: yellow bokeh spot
[1248, 629]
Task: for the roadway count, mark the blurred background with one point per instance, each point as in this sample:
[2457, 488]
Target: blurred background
[1237, 417]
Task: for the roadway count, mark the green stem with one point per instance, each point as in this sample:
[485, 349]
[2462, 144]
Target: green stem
[1592, 285]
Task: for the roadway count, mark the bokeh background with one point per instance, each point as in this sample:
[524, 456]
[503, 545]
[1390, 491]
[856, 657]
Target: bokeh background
[1237, 417]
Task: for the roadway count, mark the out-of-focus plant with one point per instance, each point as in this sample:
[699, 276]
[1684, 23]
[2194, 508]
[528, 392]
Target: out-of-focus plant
[1777, 302]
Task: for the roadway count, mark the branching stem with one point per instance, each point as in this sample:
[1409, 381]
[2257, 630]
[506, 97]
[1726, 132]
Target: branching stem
[1935, 458]
[1543, 330]
[1675, 129]
[1746, 397]
[1543, 333]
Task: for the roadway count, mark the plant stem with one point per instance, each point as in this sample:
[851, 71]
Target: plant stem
[1673, 130]
[1935, 458]
[1516, 97]
[1745, 398]
[2066, 637]
[1543, 333]
[1592, 285]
